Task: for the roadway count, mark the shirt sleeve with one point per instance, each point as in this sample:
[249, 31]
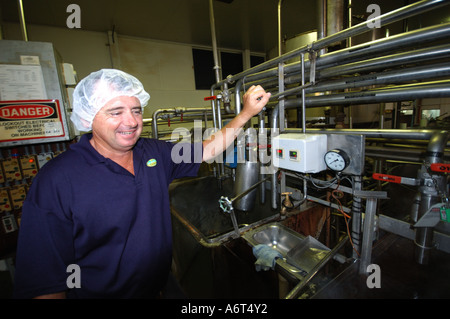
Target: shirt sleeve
[186, 159]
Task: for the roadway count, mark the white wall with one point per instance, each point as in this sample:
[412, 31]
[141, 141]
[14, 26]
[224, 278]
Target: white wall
[165, 69]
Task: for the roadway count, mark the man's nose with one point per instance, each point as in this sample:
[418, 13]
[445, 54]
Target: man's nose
[130, 119]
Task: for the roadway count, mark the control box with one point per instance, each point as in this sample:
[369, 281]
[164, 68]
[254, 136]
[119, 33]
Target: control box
[300, 152]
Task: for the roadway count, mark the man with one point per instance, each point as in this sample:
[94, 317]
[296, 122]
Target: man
[96, 221]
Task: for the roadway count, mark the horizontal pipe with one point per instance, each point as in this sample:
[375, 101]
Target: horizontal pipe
[389, 77]
[395, 94]
[394, 154]
[387, 62]
[385, 19]
[268, 78]
[364, 50]
[408, 134]
[249, 189]
[178, 110]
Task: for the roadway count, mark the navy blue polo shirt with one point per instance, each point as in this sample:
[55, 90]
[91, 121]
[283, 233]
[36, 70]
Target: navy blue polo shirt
[84, 209]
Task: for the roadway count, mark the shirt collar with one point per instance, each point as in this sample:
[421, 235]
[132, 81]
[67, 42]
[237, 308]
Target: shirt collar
[85, 148]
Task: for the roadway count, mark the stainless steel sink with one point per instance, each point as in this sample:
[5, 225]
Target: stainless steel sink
[277, 236]
[280, 238]
[302, 257]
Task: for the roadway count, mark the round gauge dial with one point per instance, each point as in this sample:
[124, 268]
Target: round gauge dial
[337, 160]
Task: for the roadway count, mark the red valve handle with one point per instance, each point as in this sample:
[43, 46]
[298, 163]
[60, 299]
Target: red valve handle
[387, 178]
[440, 167]
[209, 98]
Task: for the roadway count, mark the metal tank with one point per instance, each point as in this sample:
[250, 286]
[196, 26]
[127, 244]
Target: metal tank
[247, 170]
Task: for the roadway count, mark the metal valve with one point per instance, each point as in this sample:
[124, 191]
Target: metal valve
[225, 204]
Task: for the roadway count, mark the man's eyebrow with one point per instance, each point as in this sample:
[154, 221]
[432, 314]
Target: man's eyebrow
[117, 108]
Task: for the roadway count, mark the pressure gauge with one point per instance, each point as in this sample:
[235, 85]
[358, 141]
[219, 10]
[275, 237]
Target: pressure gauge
[336, 160]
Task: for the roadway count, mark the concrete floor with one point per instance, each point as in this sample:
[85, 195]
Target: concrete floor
[401, 276]
[228, 272]
[231, 274]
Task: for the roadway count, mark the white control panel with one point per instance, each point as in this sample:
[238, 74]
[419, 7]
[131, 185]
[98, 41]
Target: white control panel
[300, 152]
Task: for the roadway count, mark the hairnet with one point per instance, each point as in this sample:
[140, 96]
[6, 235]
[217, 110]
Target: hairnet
[99, 87]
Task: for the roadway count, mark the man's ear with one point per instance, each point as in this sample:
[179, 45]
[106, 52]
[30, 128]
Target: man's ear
[86, 124]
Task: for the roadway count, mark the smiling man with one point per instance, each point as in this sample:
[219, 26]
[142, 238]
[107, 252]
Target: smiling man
[103, 205]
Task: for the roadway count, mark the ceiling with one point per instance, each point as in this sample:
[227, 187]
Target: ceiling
[240, 24]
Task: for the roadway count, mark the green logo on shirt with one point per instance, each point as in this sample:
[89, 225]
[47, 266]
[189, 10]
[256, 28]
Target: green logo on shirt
[151, 162]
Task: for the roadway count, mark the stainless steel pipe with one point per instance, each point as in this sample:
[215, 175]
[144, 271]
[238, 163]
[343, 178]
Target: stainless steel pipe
[432, 191]
[363, 51]
[23, 25]
[387, 62]
[399, 93]
[385, 19]
[179, 110]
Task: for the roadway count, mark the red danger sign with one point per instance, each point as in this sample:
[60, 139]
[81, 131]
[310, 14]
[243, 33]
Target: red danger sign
[24, 120]
[26, 111]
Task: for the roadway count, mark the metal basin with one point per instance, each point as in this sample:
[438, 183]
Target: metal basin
[277, 236]
[282, 239]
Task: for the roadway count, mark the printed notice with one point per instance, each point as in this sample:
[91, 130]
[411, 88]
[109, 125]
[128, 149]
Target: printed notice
[21, 82]
[30, 119]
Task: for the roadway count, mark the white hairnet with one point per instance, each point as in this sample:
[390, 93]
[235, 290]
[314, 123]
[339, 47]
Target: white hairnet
[99, 87]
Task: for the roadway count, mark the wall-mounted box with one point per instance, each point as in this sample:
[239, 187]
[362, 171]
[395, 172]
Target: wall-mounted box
[299, 152]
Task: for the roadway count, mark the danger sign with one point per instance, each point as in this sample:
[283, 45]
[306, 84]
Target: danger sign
[21, 120]
[21, 112]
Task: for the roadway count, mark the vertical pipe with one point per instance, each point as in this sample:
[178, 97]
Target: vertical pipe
[281, 112]
[349, 44]
[356, 218]
[216, 103]
[303, 95]
[237, 96]
[247, 173]
[321, 13]
[431, 192]
[334, 16]
[23, 26]
[280, 40]
[262, 154]
[221, 167]
[155, 124]
[213, 107]
[214, 41]
[349, 21]
[382, 109]
[274, 132]
[369, 223]
[215, 57]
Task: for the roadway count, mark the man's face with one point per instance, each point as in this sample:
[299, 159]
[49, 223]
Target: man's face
[118, 124]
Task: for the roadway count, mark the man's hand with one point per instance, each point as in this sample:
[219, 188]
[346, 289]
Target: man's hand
[254, 101]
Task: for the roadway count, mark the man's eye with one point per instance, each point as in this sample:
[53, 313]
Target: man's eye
[137, 112]
[115, 113]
